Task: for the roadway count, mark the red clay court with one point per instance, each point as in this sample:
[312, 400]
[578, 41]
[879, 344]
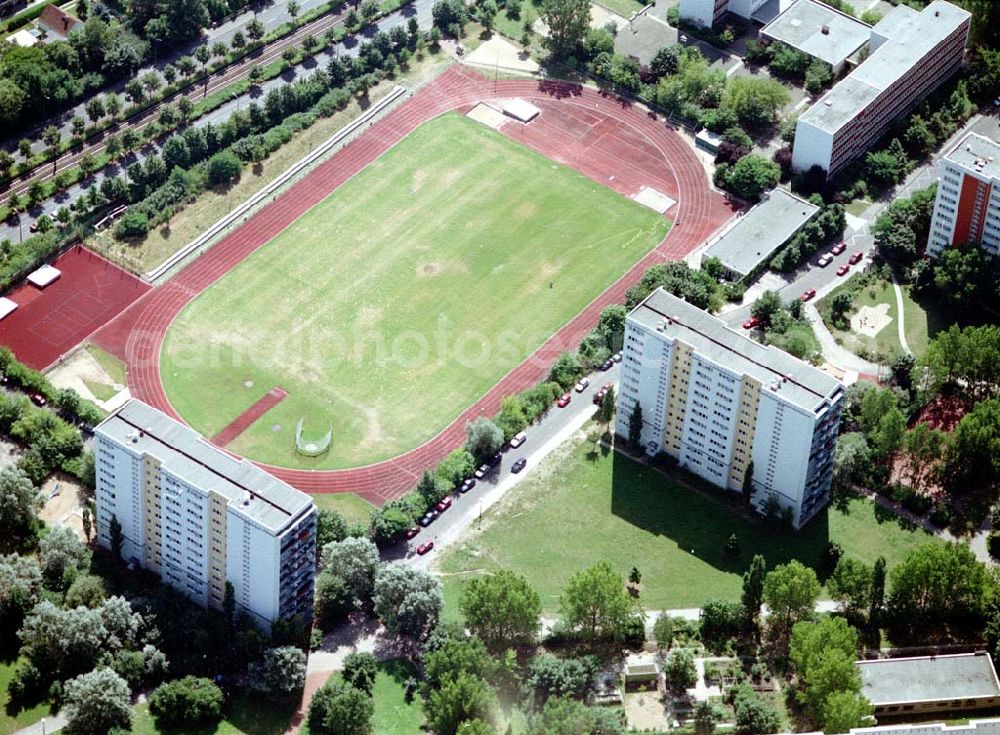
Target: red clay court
[603, 137]
[51, 321]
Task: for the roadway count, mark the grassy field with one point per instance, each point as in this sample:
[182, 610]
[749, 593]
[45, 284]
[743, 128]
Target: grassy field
[404, 296]
[886, 342]
[584, 507]
[353, 507]
[246, 714]
[13, 721]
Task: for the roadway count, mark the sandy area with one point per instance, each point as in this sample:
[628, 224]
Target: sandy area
[498, 53]
[489, 116]
[870, 320]
[64, 508]
[646, 711]
[9, 453]
[80, 367]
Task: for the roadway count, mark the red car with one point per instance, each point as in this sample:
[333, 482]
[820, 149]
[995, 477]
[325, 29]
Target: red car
[425, 547]
[838, 248]
[444, 505]
[856, 258]
[808, 294]
[751, 323]
[38, 399]
[412, 532]
[564, 401]
[842, 270]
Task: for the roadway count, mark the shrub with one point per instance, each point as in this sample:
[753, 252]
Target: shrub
[224, 168]
[186, 702]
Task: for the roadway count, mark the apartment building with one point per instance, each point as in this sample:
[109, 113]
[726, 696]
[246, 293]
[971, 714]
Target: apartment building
[724, 406]
[709, 12]
[967, 208]
[910, 53]
[200, 518]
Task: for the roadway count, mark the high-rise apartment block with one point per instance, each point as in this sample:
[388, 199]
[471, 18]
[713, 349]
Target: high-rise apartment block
[200, 518]
[967, 209]
[909, 54]
[709, 12]
[727, 408]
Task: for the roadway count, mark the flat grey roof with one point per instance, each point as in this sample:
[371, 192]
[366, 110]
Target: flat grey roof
[756, 235]
[976, 149]
[974, 727]
[910, 36]
[804, 386]
[182, 451]
[928, 678]
[802, 25]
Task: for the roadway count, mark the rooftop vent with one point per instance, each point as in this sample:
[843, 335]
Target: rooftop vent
[134, 435]
[245, 499]
[825, 30]
[828, 103]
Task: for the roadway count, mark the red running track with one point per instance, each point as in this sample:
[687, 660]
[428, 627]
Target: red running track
[49, 322]
[243, 422]
[603, 137]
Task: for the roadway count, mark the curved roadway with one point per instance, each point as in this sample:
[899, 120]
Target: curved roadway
[138, 333]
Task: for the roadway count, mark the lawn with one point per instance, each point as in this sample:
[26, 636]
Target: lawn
[354, 508]
[403, 297]
[11, 721]
[584, 507]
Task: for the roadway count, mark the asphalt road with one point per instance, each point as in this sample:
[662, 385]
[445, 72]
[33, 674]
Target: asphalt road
[543, 438]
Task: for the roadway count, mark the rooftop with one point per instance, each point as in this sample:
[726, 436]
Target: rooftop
[272, 504]
[928, 678]
[780, 374]
[975, 727]
[58, 20]
[756, 235]
[909, 36]
[819, 30]
[979, 154]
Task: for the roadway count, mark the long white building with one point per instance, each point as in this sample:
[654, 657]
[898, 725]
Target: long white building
[911, 53]
[967, 208]
[722, 405]
[199, 518]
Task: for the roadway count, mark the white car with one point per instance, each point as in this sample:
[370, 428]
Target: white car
[582, 385]
[518, 440]
[824, 260]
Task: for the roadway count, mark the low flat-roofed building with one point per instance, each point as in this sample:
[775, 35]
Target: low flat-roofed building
[975, 727]
[819, 31]
[899, 687]
[747, 244]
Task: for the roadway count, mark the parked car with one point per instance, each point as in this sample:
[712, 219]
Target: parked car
[617, 357]
[808, 294]
[425, 547]
[33, 227]
[856, 258]
[467, 485]
[838, 248]
[483, 471]
[428, 518]
[444, 504]
[38, 399]
[518, 465]
[410, 533]
[608, 364]
[842, 270]
[519, 439]
[751, 323]
[564, 400]
[582, 385]
[824, 260]
[599, 396]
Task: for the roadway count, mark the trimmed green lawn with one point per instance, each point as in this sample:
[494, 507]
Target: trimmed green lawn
[403, 297]
[114, 367]
[247, 714]
[13, 721]
[353, 507]
[583, 507]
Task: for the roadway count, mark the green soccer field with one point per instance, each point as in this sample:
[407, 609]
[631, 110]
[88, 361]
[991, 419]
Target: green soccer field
[402, 298]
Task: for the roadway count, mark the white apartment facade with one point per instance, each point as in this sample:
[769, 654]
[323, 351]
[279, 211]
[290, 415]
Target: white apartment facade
[723, 405]
[199, 518]
[967, 208]
[911, 53]
[709, 12]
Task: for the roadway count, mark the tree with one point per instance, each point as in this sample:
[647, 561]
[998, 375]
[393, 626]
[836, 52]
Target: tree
[635, 427]
[255, 30]
[330, 526]
[52, 136]
[749, 177]
[974, 454]
[851, 586]
[887, 166]
[502, 609]
[823, 654]
[20, 590]
[753, 589]
[938, 583]
[407, 601]
[484, 439]
[680, 670]
[283, 670]
[844, 711]
[19, 506]
[340, 709]
[790, 591]
[224, 169]
[475, 727]
[569, 717]
[112, 105]
[595, 602]
[704, 718]
[755, 100]
[486, 14]
[293, 8]
[840, 305]
[818, 75]
[360, 669]
[666, 61]
[186, 703]
[449, 14]
[550, 676]
[753, 715]
[765, 307]
[606, 411]
[720, 621]
[566, 370]
[97, 703]
[460, 698]
[663, 630]
[87, 590]
[355, 561]
[61, 553]
[568, 21]
[95, 108]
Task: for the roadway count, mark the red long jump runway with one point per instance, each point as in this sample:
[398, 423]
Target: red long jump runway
[51, 321]
[243, 422]
[608, 140]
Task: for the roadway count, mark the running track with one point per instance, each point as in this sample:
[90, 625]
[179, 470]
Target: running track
[602, 136]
